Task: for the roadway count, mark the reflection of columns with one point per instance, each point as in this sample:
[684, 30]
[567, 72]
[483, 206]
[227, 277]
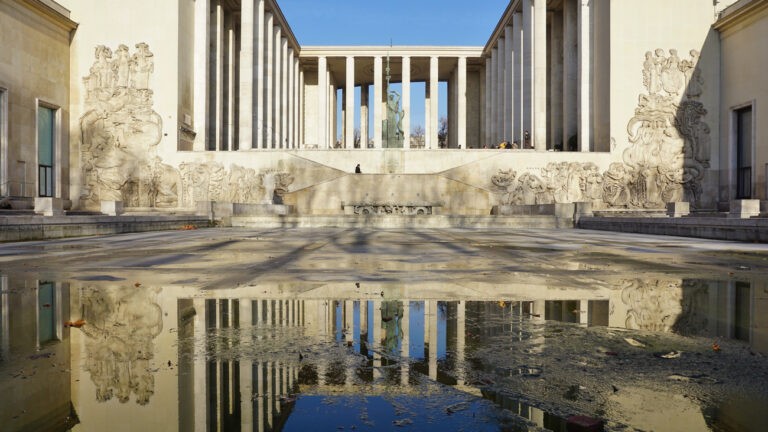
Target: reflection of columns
[433, 82]
[200, 370]
[508, 83]
[539, 136]
[488, 101]
[322, 103]
[517, 79]
[270, 395]
[584, 312]
[527, 66]
[377, 98]
[246, 366]
[260, 396]
[349, 96]
[570, 71]
[406, 87]
[430, 317]
[269, 82]
[364, 90]
[556, 81]
[462, 102]
[461, 328]
[584, 82]
[349, 320]
[377, 346]
[405, 344]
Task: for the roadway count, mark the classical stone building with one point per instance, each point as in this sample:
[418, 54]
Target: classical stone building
[619, 104]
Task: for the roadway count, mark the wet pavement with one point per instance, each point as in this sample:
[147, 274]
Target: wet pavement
[353, 329]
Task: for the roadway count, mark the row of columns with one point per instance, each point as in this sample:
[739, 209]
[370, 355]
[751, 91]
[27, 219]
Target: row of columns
[247, 77]
[521, 104]
[327, 113]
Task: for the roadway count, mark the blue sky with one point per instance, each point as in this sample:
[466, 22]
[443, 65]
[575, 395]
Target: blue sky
[414, 22]
[406, 22]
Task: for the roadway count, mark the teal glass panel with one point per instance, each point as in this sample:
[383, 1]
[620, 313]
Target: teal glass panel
[46, 325]
[45, 130]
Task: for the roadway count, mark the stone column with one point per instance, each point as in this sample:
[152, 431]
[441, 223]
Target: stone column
[296, 101]
[218, 126]
[517, 93]
[349, 95]
[585, 88]
[269, 82]
[322, 103]
[500, 91]
[427, 116]
[509, 78]
[570, 71]
[406, 85]
[247, 32]
[556, 81]
[434, 79]
[284, 73]
[540, 75]
[300, 134]
[462, 103]
[259, 53]
[290, 102]
[364, 120]
[201, 53]
[277, 68]
[494, 97]
[488, 135]
[528, 84]
[377, 96]
[230, 65]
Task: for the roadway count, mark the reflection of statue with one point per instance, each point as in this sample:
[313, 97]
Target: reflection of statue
[393, 127]
[391, 314]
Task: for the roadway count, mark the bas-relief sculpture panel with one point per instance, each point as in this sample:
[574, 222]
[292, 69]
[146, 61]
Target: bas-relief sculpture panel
[120, 133]
[669, 150]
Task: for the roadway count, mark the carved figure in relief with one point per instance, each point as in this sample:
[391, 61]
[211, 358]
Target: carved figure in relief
[122, 65]
[672, 78]
[142, 66]
[616, 180]
[504, 180]
[274, 185]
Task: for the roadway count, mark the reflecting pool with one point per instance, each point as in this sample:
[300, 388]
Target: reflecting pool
[637, 353]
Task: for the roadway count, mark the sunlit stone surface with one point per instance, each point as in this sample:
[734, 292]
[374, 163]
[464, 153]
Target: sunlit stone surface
[267, 330]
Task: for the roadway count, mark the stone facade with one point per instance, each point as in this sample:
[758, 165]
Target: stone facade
[630, 124]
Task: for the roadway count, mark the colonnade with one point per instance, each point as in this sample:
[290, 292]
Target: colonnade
[365, 67]
[247, 77]
[538, 77]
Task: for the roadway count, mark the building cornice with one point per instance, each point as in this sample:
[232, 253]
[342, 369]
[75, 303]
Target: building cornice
[498, 32]
[52, 12]
[739, 13]
[286, 28]
[394, 51]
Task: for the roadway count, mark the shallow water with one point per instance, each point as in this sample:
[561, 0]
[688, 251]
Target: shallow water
[639, 353]
[294, 329]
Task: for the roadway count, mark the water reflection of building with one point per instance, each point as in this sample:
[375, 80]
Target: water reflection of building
[34, 355]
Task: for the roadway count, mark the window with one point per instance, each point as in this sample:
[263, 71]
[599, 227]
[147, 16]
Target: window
[46, 139]
[743, 126]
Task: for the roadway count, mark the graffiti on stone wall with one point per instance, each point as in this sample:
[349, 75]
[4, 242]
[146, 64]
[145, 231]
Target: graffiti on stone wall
[665, 162]
[121, 325]
[120, 132]
[210, 181]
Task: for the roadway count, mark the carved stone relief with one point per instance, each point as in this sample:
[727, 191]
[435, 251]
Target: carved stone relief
[653, 305]
[210, 181]
[120, 132]
[668, 154]
[121, 325]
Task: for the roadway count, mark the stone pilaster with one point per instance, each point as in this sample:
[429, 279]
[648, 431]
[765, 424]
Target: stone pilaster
[349, 95]
[540, 75]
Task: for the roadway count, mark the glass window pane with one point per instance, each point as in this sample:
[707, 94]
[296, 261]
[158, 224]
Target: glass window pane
[45, 130]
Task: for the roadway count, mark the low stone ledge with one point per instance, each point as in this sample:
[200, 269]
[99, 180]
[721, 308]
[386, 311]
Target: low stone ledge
[678, 209]
[402, 209]
[49, 206]
[112, 208]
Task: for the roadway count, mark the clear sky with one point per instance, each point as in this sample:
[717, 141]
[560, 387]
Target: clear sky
[403, 22]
